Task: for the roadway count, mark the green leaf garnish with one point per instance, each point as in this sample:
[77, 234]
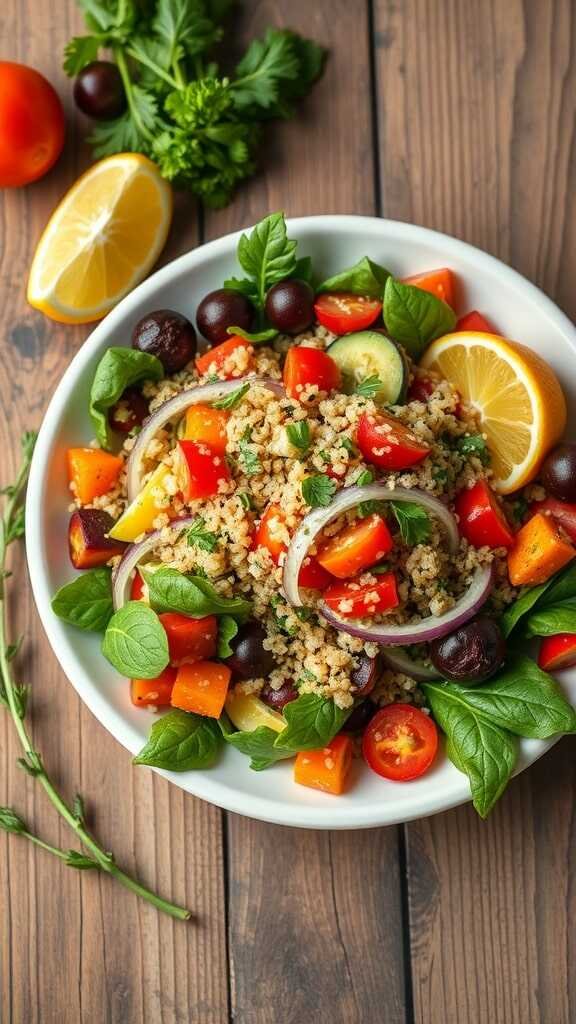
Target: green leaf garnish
[474, 444]
[248, 459]
[369, 387]
[413, 521]
[364, 278]
[299, 435]
[118, 369]
[232, 400]
[256, 337]
[415, 317]
[318, 490]
[197, 536]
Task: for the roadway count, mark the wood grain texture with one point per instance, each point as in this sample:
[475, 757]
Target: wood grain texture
[480, 142]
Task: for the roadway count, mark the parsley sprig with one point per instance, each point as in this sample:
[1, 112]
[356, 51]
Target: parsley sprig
[299, 435]
[413, 521]
[318, 490]
[248, 459]
[197, 536]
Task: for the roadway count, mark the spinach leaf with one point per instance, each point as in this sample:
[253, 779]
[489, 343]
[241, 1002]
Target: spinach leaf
[478, 748]
[118, 369]
[86, 602]
[521, 607]
[227, 630]
[135, 642]
[313, 721]
[267, 255]
[561, 587]
[558, 590]
[364, 278]
[258, 745]
[171, 591]
[558, 618]
[180, 742]
[415, 317]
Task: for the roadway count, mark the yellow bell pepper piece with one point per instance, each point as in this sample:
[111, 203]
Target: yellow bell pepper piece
[247, 712]
[140, 515]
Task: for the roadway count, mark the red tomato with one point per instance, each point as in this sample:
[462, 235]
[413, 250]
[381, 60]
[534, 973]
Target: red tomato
[385, 442]
[207, 425]
[199, 470]
[359, 600]
[31, 125]
[439, 282]
[305, 366]
[157, 692]
[189, 640]
[400, 742]
[362, 544]
[474, 321]
[271, 532]
[562, 511]
[313, 576]
[342, 312]
[139, 590]
[557, 652]
[481, 520]
[218, 356]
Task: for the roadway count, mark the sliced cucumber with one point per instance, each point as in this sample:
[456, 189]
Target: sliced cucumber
[370, 354]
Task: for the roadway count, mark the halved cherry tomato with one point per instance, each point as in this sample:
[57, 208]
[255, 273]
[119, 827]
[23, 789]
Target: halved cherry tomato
[199, 470]
[562, 511]
[557, 652]
[219, 355]
[305, 366]
[362, 544]
[313, 576]
[271, 533]
[139, 589]
[400, 742]
[439, 282]
[474, 321]
[385, 442]
[481, 519]
[360, 600]
[189, 640]
[157, 692]
[342, 312]
[207, 425]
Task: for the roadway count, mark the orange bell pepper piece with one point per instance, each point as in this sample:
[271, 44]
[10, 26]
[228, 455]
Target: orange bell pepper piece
[206, 425]
[540, 549]
[201, 688]
[325, 769]
[156, 692]
[92, 471]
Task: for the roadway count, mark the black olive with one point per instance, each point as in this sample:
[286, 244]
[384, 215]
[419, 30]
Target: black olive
[167, 335]
[471, 654]
[558, 472]
[128, 412]
[222, 309]
[290, 306]
[364, 677]
[99, 91]
[361, 715]
[250, 659]
[278, 699]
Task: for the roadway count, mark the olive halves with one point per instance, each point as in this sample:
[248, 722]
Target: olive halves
[249, 658]
[471, 654]
[167, 335]
[290, 306]
[558, 473]
[222, 309]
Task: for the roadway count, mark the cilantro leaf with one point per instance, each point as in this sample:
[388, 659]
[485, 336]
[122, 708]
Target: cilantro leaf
[299, 435]
[267, 255]
[78, 52]
[249, 460]
[366, 508]
[474, 444]
[233, 399]
[184, 28]
[413, 520]
[133, 131]
[318, 490]
[369, 387]
[197, 536]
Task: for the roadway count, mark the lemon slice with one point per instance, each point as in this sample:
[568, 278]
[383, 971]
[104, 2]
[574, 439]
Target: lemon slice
[517, 395]
[101, 240]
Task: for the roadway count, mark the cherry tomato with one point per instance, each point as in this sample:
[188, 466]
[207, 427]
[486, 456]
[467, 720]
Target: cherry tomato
[360, 600]
[481, 519]
[271, 533]
[313, 576]
[189, 640]
[385, 442]
[220, 354]
[557, 652]
[31, 125]
[156, 692]
[304, 366]
[564, 512]
[474, 321]
[199, 470]
[207, 425]
[400, 742]
[342, 312]
[362, 544]
[438, 282]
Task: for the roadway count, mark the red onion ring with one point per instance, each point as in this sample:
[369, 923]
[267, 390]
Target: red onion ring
[124, 572]
[417, 633]
[175, 407]
[348, 498]
[399, 660]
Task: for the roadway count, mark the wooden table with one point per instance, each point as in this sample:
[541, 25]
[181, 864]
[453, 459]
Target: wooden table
[452, 114]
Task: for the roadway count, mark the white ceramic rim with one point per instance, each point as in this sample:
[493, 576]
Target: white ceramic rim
[202, 784]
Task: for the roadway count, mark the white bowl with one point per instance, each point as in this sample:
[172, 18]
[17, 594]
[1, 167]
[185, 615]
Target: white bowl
[518, 309]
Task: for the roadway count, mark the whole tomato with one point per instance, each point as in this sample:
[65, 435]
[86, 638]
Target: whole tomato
[31, 125]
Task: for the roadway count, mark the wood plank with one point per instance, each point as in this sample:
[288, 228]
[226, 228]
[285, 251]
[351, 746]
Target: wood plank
[476, 123]
[76, 947]
[315, 918]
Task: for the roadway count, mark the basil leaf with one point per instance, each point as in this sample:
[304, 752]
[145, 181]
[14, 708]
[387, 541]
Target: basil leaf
[364, 278]
[86, 602]
[559, 618]
[118, 369]
[227, 630]
[258, 744]
[303, 270]
[521, 607]
[245, 287]
[561, 587]
[180, 742]
[478, 748]
[135, 642]
[256, 337]
[313, 721]
[171, 591]
[267, 255]
[415, 317]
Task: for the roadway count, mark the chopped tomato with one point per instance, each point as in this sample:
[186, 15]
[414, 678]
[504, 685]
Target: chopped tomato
[358, 546]
[360, 600]
[481, 519]
[306, 366]
[139, 589]
[342, 312]
[156, 692]
[400, 742]
[189, 640]
[207, 425]
[199, 470]
[271, 532]
[562, 511]
[474, 321]
[219, 358]
[557, 652]
[325, 769]
[438, 282]
[312, 575]
[387, 443]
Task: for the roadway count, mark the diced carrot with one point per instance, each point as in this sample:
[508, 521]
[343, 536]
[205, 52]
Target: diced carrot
[220, 357]
[325, 769]
[206, 425]
[201, 688]
[540, 549]
[92, 471]
[156, 692]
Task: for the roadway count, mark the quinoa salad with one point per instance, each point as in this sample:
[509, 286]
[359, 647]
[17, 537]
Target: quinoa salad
[309, 529]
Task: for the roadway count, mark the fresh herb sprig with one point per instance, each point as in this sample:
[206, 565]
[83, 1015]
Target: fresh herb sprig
[14, 697]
